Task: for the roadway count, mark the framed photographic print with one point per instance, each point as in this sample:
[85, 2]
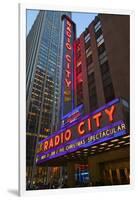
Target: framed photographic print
[74, 98]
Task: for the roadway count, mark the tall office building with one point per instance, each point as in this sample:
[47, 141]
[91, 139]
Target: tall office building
[43, 82]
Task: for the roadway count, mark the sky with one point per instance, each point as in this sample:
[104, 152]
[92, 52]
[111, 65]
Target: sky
[31, 16]
[82, 20]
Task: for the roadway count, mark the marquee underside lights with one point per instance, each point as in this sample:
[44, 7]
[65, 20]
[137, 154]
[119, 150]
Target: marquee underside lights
[98, 127]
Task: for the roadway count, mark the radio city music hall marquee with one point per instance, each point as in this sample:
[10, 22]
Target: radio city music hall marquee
[95, 128]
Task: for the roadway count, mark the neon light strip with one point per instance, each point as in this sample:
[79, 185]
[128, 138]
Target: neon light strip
[83, 137]
[66, 125]
[115, 101]
[118, 134]
[74, 50]
[64, 62]
[63, 71]
[73, 38]
[70, 113]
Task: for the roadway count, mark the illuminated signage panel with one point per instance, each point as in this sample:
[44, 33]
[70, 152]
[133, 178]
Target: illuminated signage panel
[72, 116]
[68, 65]
[101, 125]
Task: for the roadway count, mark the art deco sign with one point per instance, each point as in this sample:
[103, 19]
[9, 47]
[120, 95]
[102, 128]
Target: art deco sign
[99, 126]
[68, 65]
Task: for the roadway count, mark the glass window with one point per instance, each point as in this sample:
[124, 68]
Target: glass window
[99, 38]
[104, 67]
[88, 50]
[100, 42]
[97, 26]
[101, 48]
[103, 60]
[87, 44]
[88, 53]
[98, 33]
[87, 37]
[103, 57]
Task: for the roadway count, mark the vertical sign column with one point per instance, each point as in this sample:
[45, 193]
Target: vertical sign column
[67, 104]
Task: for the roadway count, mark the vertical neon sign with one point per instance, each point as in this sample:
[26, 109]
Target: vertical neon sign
[68, 66]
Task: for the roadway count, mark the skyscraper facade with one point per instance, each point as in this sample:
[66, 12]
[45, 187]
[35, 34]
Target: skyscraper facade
[102, 61]
[43, 82]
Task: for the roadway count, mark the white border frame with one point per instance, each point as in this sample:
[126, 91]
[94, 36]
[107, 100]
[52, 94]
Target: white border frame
[22, 97]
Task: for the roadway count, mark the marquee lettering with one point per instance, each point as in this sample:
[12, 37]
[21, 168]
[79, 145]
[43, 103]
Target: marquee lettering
[68, 55]
[110, 113]
[57, 140]
[97, 119]
[81, 128]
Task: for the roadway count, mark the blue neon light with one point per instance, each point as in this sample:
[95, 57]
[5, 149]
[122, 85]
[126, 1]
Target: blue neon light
[73, 111]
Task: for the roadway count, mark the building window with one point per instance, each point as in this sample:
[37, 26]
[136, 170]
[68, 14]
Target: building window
[98, 33]
[92, 91]
[100, 40]
[88, 44]
[107, 82]
[87, 38]
[97, 26]
[88, 50]
[105, 71]
[101, 48]
[90, 69]
[89, 60]
[86, 32]
[103, 58]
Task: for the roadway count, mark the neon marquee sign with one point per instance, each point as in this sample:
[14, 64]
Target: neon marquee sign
[95, 128]
[68, 55]
[68, 65]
